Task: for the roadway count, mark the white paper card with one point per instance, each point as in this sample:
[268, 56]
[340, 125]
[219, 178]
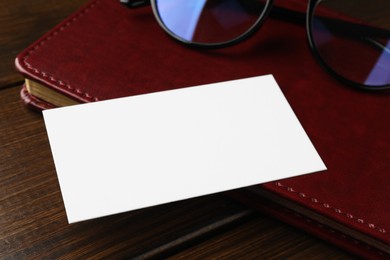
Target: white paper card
[134, 152]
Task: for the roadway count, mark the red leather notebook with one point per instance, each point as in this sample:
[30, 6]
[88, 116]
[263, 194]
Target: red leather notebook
[106, 51]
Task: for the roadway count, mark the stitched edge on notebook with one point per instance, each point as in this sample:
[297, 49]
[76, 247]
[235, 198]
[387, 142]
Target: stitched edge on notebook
[334, 232]
[336, 210]
[61, 84]
[288, 215]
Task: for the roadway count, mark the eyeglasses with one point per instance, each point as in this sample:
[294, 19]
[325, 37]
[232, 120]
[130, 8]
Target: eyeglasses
[349, 38]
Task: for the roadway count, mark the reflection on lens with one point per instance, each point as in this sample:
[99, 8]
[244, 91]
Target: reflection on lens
[209, 21]
[353, 38]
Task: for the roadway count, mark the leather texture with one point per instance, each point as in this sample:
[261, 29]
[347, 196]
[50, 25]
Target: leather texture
[106, 51]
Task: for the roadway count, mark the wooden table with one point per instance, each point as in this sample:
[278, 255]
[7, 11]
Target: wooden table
[33, 223]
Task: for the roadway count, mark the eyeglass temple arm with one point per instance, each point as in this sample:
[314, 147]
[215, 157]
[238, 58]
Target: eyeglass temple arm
[364, 32]
[135, 3]
[355, 28]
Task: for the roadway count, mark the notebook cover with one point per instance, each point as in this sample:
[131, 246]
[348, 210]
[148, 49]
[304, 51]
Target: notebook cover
[106, 51]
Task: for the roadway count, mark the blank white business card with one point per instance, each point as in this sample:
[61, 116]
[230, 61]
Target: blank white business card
[129, 153]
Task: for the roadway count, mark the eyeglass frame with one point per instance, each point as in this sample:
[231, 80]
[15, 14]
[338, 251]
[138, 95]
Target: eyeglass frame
[253, 30]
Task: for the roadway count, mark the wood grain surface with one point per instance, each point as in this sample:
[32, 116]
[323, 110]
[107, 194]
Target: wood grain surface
[33, 223]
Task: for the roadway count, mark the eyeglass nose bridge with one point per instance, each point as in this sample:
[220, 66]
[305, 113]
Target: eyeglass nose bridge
[310, 7]
[135, 3]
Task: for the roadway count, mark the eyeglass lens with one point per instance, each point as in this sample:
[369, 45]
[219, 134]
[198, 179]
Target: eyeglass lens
[209, 21]
[353, 38]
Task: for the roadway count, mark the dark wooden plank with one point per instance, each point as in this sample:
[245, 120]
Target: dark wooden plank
[32, 216]
[262, 238]
[21, 23]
